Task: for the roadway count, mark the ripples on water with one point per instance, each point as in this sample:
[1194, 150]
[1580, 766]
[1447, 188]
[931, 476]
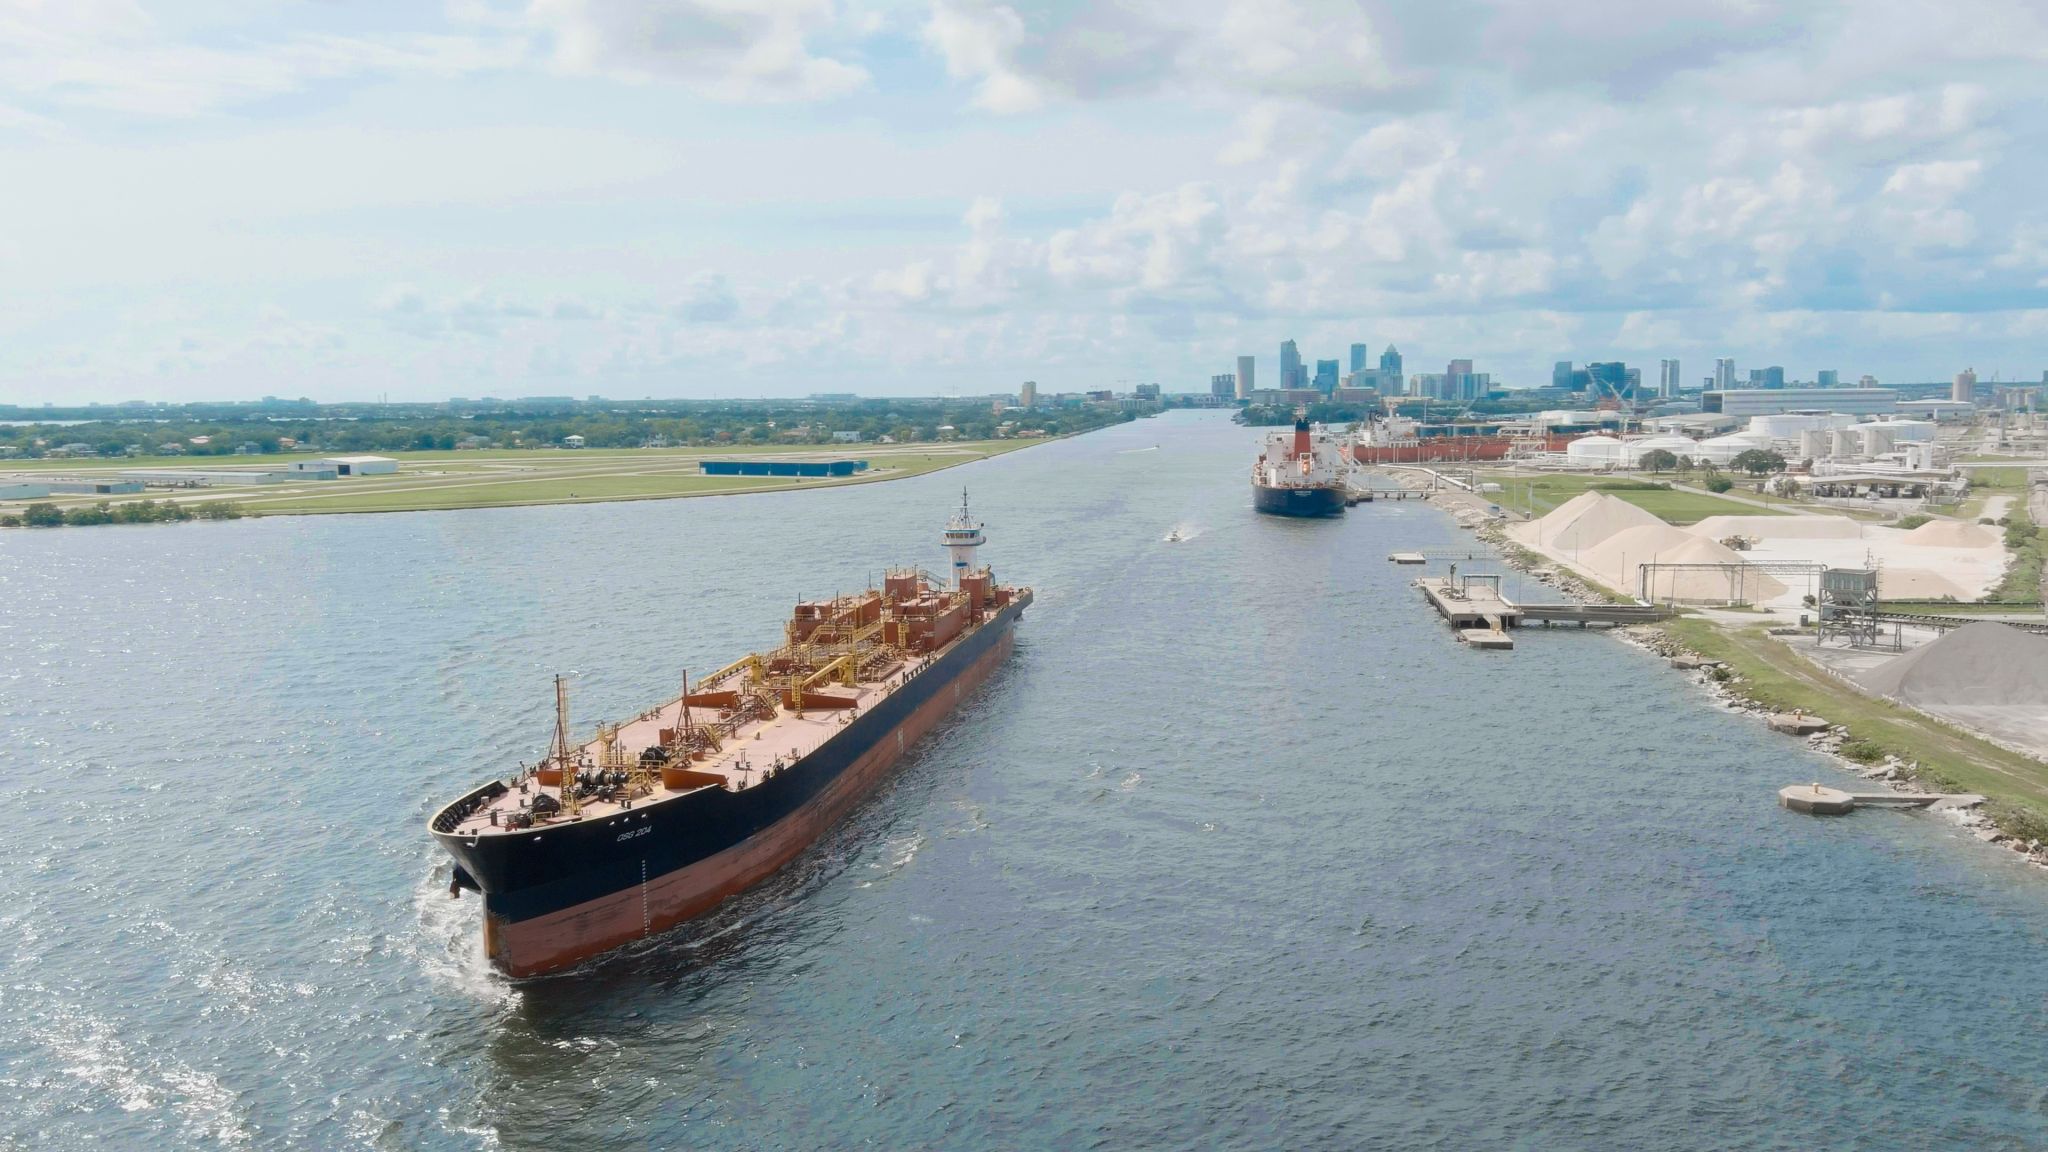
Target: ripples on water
[1239, 850]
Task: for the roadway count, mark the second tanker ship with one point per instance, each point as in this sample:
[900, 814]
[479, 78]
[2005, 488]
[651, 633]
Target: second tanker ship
[660, 818]
[1302, 474]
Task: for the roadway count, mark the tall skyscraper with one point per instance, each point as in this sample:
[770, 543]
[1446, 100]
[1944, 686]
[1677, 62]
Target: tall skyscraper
[1291, 373]
[1610, 378]
[1244, 376]
[1358, 357]
[1326, 376]
[1223, 386]
[1391, 382]
[1774, 377]
[1028, 394]
[1667, 379]
[1459, 383]
[1724, 373]
[1965, 389]
[1561, 375]
[1828, 378]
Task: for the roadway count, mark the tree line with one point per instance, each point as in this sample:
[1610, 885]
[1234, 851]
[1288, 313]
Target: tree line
[430, 427]
[44, 515]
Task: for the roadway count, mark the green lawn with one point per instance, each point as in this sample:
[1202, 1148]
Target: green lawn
[488, 479]
[643, 478]
[2007, 479]
[1539, 495]
[1950, 759]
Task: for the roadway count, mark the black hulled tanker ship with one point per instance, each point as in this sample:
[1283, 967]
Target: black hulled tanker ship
[1301, 473]
[658, 819]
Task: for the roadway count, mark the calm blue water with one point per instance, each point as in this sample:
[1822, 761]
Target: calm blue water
[1239, 851]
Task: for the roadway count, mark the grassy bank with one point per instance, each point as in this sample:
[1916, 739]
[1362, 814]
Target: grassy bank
[2029, 547]
[443, 481]
[1949, 759]
[1538, 495]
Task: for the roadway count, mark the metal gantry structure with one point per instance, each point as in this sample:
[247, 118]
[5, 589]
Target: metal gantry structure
[1848, 609]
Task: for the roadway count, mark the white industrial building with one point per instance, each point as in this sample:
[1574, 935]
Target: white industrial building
[1768, 401]
[349, 465]
[1938, 410]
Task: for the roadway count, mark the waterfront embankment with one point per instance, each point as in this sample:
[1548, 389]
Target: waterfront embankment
[1754, 670]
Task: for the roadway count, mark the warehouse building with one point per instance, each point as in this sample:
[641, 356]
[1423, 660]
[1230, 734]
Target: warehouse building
[94, 487]
[349, 465]
[1771, 401]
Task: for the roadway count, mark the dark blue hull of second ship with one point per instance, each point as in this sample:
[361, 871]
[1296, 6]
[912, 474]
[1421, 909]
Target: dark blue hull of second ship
[1298, 501]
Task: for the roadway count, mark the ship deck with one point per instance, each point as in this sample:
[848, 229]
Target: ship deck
[755, 751]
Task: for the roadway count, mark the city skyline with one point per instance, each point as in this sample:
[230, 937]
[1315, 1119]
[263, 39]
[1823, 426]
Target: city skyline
[676, 199]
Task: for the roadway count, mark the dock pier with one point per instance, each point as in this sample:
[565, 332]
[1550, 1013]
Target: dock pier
[1818, 799]
[1475, 606]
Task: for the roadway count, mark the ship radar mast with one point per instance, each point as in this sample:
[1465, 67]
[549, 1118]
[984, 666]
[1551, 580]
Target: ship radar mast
[962, 537]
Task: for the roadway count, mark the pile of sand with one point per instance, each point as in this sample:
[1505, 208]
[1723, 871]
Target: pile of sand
[1616, 557]
[1982, 663]
[1617, 562]
[1918, 584]
[1953, 534]
[1582, 522]
[1779, 527]
[1744, 583]
[1612, 539]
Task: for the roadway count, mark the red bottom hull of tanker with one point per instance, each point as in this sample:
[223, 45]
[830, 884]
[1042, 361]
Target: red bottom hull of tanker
[558, 939]
[1449, 449]
[1426, 453]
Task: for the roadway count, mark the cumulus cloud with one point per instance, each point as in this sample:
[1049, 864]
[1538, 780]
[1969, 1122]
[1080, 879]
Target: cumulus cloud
[1482, 177]
[728, 49]
[113, 55]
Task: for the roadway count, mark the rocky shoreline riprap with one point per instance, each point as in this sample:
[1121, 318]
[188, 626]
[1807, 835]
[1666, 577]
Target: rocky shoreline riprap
[1902, 776]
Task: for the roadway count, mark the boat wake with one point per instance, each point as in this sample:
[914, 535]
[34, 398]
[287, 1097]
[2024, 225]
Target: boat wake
[447, 946]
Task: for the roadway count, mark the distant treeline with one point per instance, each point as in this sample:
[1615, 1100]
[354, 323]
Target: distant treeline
[1276, 415]
[602, 424]
[132, 512]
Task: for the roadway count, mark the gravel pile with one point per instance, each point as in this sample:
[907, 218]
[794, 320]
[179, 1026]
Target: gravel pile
[1982, 663]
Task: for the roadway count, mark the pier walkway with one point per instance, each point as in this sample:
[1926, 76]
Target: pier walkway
[1476, 601]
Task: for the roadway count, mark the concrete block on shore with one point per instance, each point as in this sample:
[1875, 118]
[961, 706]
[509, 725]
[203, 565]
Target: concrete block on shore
[1816, 799]
[1796, 724]
[1487, 638]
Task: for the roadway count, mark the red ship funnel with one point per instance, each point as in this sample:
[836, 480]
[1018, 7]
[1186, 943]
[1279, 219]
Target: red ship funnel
[1300, 438]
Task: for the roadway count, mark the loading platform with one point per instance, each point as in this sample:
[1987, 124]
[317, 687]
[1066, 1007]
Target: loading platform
[1819, 800]
[1475, 601]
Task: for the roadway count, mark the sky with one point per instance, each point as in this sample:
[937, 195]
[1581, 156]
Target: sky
[344, 199]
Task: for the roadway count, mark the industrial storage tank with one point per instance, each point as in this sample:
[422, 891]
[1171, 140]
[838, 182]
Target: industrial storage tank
[1906, 431]
[1788, 426]
[1555, 417]
[1816, 443]
[1722, 449]
[1680, 446]
[1594, 450]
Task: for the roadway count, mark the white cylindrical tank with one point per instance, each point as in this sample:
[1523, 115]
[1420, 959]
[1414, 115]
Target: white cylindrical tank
[1722, 449]
[1877, 439]
[1908, 431]
[1786, 425]
[1845, 442]
[1816, 443]
[1594, 450]
[1634, 451]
